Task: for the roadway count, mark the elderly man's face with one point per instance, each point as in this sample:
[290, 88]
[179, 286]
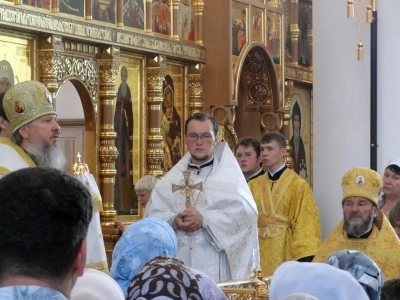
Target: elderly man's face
[41, 141]
[358, 215]
[44, 130]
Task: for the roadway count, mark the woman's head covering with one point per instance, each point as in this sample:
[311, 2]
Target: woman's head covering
[140, 242]
[164, 278]
[208, 288]
[362, 268]
[317, 279]
[300, 296]
[96, 285]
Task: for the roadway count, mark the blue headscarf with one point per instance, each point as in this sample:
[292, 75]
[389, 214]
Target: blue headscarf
[141, 242]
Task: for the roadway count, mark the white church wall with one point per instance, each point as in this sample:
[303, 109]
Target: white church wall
[388, 82]
[341, 105]
[68, 102]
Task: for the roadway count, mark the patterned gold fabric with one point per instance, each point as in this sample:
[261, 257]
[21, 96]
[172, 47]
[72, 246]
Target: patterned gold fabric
[382, 246]
[26, 102]
[362, 182]
[288, 220]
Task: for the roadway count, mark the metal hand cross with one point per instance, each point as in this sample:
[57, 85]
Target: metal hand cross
[187, 188]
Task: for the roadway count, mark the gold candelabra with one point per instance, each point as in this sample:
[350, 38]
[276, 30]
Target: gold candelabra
[357, 8]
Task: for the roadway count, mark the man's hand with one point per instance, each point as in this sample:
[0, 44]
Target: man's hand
[189, 220]
[193, 219]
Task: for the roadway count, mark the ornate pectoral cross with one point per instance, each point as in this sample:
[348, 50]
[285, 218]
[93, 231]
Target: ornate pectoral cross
[187, 187]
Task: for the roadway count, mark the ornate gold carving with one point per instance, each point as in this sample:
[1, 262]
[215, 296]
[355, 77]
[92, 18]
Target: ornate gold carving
[107, 102]
[108, 153]
[286, 119]
[108, 70]
[108, 172]
[23, 18]
[107, 126]
[155, 107]
[155, 130]
[195, 83]
[275, 3]
[258, 79]
[155, 82]
[85, 70]
[298, 73]
[51, 64]
[108, 180]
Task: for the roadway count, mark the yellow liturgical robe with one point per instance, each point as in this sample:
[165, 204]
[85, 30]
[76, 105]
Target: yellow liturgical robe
[382, 246]
[288, 221]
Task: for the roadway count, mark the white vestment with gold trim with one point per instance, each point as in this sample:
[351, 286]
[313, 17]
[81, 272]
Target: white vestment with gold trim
[96, 252]
[12, 157]
[226, 246]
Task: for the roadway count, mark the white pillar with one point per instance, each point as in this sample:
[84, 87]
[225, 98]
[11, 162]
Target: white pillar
[341, 101]
[388, 82]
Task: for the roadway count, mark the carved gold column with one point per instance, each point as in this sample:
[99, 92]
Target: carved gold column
[198, 9]
[149, 16]
[51, 64]
[156, 71]
[310, 38]
[286, 122]
[294, 30]
[108, 70]
[174, 23]
[195, 83]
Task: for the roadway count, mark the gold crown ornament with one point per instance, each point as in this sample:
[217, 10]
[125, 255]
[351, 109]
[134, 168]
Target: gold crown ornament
[79, 168]
[362, 182]
[26, 102]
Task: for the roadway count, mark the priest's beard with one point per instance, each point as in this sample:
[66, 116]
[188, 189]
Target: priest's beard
[46, 155]
[358, 228]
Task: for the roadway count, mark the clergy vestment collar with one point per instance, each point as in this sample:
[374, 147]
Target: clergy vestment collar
[256, 174]
[198, 168]
[277, 174]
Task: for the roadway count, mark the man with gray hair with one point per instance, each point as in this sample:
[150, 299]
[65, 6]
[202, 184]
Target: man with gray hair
[364, 227]
[34, 141]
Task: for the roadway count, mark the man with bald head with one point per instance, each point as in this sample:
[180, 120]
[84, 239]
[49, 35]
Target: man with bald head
[34, 141]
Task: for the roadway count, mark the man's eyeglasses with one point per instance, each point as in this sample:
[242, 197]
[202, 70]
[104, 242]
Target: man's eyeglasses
[192, 137]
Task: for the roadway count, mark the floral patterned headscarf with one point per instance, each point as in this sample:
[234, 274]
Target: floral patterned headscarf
[164, 278]
[140, 242]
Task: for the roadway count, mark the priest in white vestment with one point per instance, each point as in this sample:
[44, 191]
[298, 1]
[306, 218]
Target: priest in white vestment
[96, 253]
[34, 142]
[225, 244]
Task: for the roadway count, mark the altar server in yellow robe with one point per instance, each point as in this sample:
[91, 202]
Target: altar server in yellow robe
[288, 220]
[364, 227]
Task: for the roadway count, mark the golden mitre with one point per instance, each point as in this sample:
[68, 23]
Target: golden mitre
[26, 102]
[362, 182]
[79, 168]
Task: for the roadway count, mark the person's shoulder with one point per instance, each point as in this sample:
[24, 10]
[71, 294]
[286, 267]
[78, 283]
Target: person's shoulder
[18, 292]
[258, 180]
[297, 179]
